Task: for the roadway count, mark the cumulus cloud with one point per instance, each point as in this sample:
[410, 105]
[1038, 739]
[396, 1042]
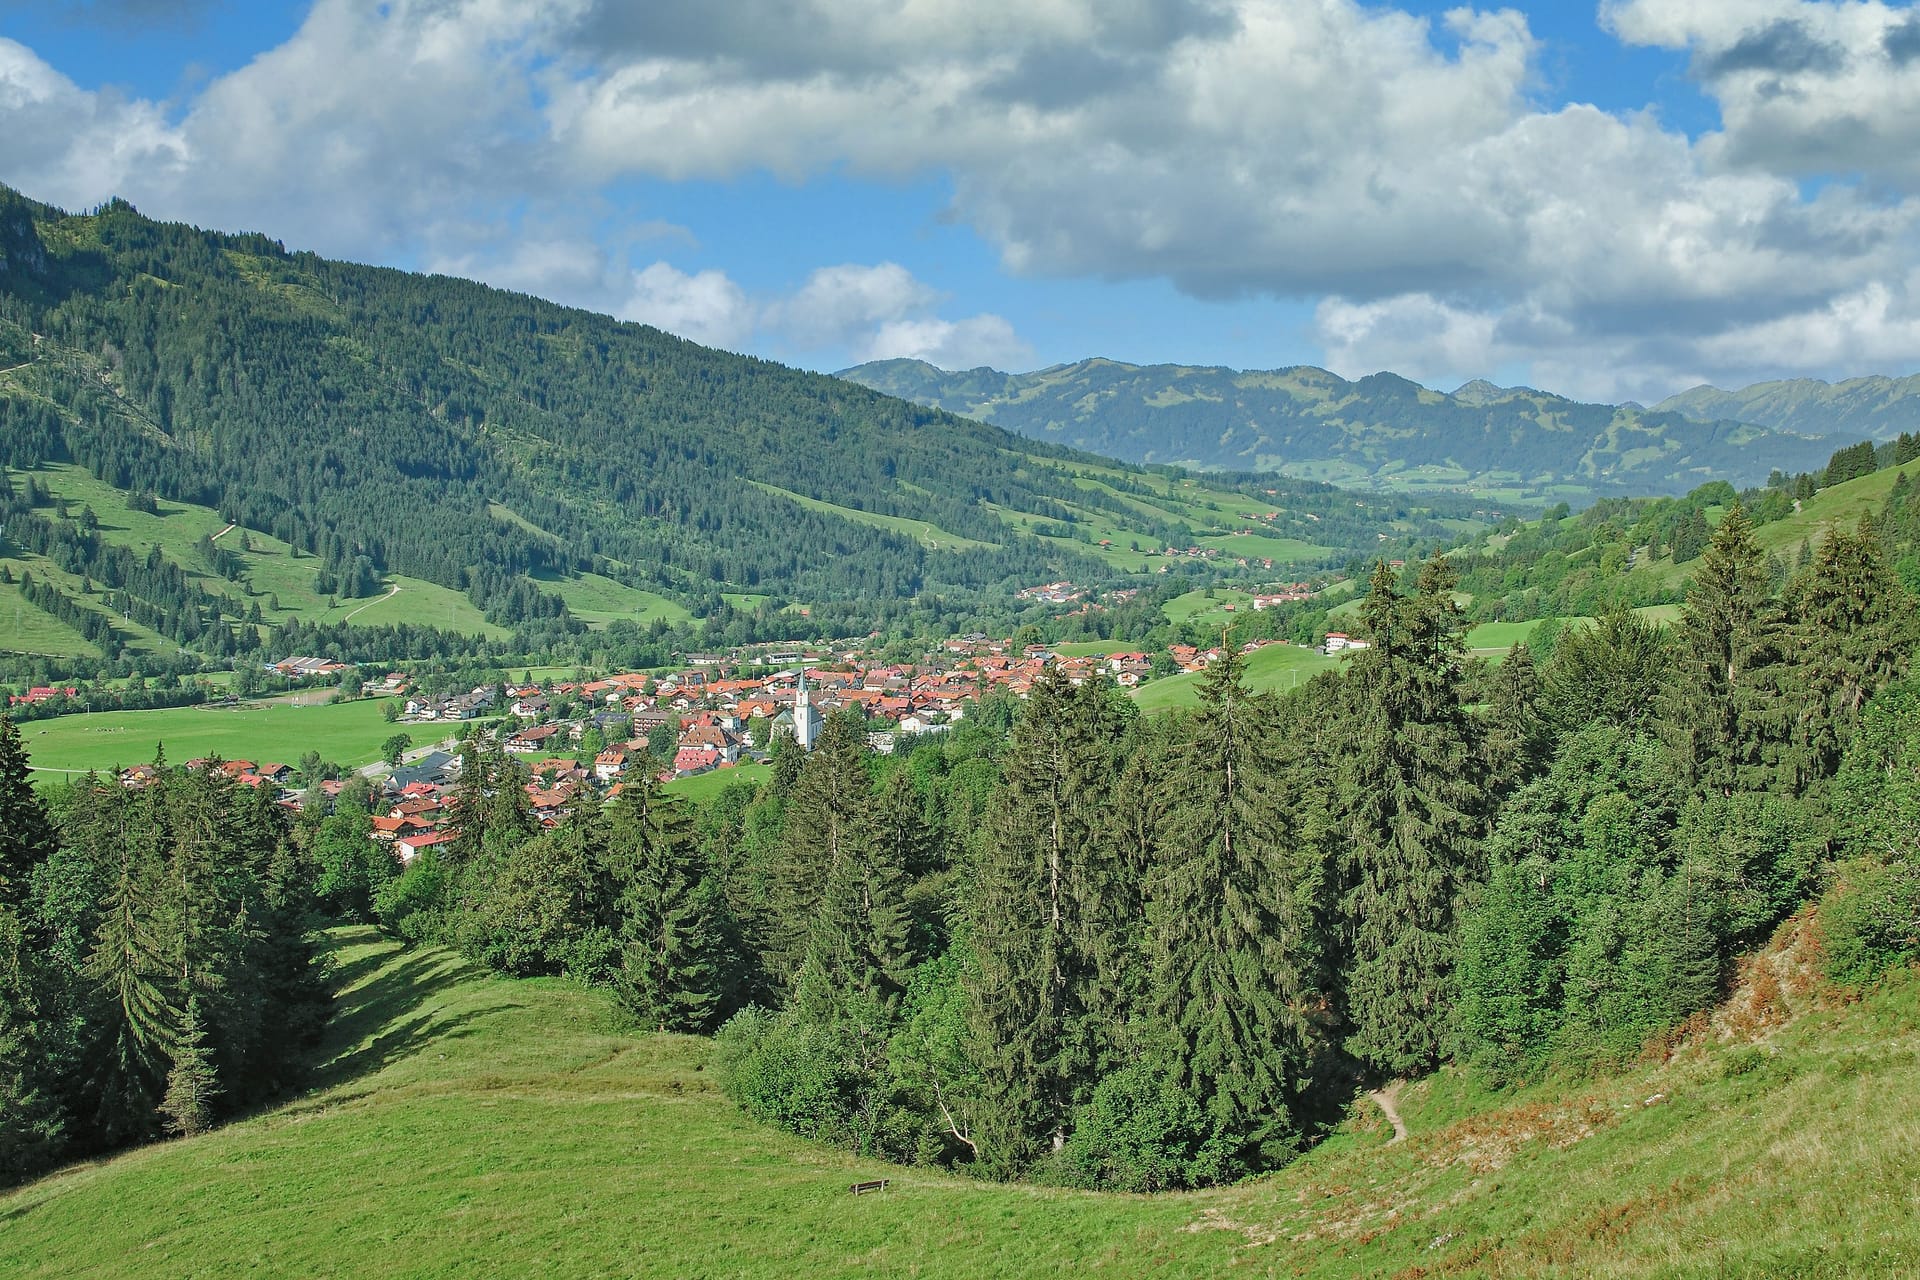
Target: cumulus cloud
[1806, 87]
[1401, 172]
[705, 306]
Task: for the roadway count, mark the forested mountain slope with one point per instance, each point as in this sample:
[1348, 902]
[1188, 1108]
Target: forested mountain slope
[1381, 431]
[1878, 407]
[366, 429]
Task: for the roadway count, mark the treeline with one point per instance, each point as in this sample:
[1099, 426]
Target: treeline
[1067, 942]
[156, 966]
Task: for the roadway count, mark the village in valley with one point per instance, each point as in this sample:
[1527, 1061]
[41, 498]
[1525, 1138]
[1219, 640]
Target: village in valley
[716, 713]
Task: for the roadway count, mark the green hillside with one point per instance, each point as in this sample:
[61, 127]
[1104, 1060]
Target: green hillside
[508, 464]
[1381, 432]
[463, 1125]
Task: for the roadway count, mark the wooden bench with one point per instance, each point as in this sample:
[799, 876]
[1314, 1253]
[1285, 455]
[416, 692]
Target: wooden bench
[861, 1188]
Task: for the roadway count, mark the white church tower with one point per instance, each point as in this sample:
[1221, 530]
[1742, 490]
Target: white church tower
[806, 721]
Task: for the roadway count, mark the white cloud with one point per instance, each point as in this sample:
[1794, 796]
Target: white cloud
[1399, 171]
[985, 339]
[850, 312]
[706, 306]
[838, 305]
[1804, 86]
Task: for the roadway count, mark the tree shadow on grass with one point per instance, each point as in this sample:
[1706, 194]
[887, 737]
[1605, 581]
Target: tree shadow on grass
[386, 1010]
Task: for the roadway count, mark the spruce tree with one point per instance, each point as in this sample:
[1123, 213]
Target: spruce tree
[672, 955]
[825, 811]
[1234, 906]
[1613, 672]
[1720, 716]
[1039, 917]
[1852, 632]
[1516, 740]
[134, 1015]
[193, 1081]
[1411, 791]
[26, 832]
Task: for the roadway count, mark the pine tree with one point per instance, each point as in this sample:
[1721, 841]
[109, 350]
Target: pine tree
[1517, 741]
[1039, 919]
[1411, 792]
[128, 971]
[1852, 632]
[26, 831]
[1614, 671]
[672, 956]
[1234, 906]
[1719, 717]
[193, 1082]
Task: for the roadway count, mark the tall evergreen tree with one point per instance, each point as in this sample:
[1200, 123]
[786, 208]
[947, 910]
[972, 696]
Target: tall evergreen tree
[1516, 739]
[1037, 920]
[1720, 717]
[26, 830]
[193, 1081]
[672, 970]
[1411, 790]
[134, 1021]
[1234, 906]
[1852, 630]
[1613, 672]
[824, 829]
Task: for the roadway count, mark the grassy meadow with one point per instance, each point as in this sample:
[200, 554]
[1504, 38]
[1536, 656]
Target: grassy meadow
[1277, 666]
[465, 1125]
[348, 733]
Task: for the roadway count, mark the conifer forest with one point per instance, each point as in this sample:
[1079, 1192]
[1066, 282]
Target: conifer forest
[1064, 942]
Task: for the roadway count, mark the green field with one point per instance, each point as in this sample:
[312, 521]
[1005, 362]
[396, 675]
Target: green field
[348, 733]
[705, 786]
[1093, 648]
[1277, 666]
[597, 601]
[1206, 604]
[463, 1125]
[931, 536]
[25, 628]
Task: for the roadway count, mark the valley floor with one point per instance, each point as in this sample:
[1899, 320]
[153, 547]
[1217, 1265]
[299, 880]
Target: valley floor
[464, 1125]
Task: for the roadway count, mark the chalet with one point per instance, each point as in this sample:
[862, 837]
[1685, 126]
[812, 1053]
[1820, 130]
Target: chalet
[526, 742]
[409, 847]
[610, 764]
[689, 761]
[42, 693]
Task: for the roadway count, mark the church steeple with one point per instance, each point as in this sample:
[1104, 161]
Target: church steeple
[806, 721]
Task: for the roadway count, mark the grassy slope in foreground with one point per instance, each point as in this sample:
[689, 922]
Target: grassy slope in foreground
[466, 1125]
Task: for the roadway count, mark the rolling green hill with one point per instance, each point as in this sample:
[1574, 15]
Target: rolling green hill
[1381, 432]
[505, 462]
[463, 1125]
[1879, 408]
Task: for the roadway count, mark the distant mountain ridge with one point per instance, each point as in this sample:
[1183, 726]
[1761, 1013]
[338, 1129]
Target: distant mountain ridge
[1878, 407]
[1381, 431]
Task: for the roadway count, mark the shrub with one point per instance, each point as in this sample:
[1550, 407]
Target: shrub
[1870, 922]
[1142, 1132]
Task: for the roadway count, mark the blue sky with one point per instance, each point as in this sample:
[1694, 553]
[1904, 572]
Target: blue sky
[1608, 200]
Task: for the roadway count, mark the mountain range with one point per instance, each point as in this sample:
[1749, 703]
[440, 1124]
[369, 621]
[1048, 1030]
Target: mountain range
[1381, 432]
[1878, 407]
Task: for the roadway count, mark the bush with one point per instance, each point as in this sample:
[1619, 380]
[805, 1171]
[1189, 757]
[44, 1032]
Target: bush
[412, 906]
[1142, 1132]
[1870, 922]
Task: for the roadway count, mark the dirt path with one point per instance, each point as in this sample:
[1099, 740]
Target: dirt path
[223, 533]
[392, 591]
[1384, 1099]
